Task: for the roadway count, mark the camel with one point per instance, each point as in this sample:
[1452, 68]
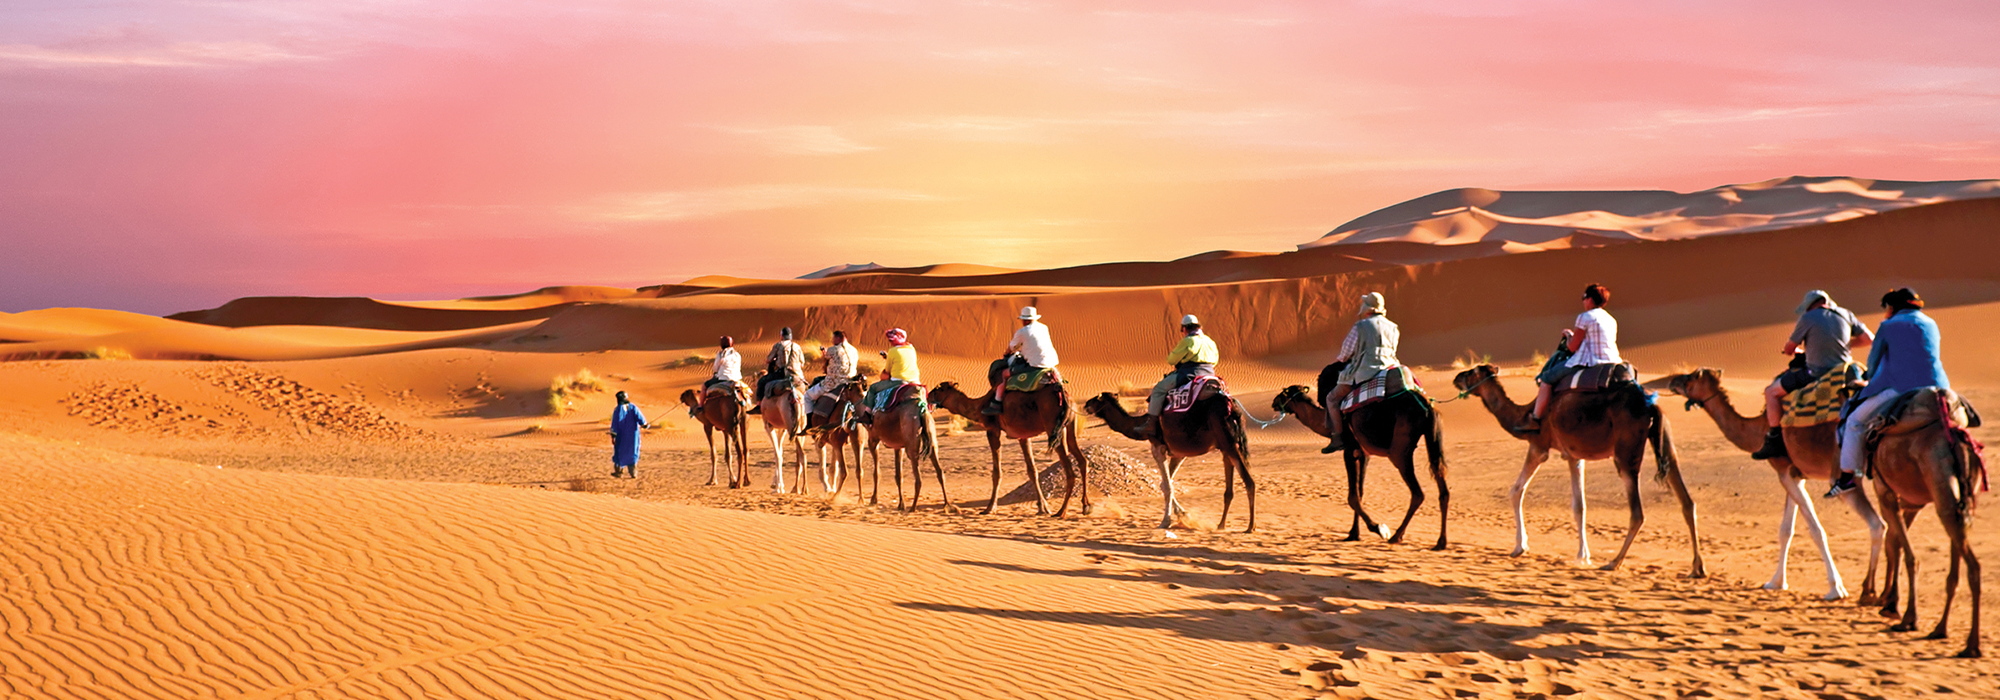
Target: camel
[837, 437]
[1813, 455]
[1584, 425]
[1023, 416]
[1388, 428]
[723, 413]
[1212, 424]
[780, 414]
[907, 429]
[1926, 459]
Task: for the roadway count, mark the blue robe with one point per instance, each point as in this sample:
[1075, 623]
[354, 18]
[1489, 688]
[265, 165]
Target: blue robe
[626, 420]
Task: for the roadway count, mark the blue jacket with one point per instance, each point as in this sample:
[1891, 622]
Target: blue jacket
[626, 420]
[1905, 355]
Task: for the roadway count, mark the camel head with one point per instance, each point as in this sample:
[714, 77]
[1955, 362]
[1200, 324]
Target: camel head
[690, 399]
[1099, 403]
[1282, 403]
[1476, 377]
[851, 392]
[1698, 386]
[948, 388]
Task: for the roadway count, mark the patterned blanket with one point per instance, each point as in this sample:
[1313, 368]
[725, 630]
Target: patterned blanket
[1387, 383]
[1821, 401]
[1033, 379]
[1183, 397]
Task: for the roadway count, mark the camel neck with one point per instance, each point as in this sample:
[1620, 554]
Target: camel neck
[1745, 432]
[1312, 415]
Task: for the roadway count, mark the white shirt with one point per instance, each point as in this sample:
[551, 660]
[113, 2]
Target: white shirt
[1033, 342]
[1600, 340]
[842, 361]
[728, 365]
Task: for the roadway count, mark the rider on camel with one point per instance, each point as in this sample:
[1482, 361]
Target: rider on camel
[1592, 341]
[1820, 343]
[843, 365]
[899, 368]
[1904, 358]
[786, 364]
[728, 371]
[1195, 356]
[1030, 349]
[1368, 350]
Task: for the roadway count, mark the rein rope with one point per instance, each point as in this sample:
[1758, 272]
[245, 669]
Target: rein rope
[1468, 390]
[1261, 424]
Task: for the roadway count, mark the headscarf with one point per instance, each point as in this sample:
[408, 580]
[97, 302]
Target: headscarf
[897, 336]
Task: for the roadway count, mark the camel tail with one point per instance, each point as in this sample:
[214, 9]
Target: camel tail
[1233, 416]
[1971, 458]
[1063, 416]
[1663, 443]
[1434, 445]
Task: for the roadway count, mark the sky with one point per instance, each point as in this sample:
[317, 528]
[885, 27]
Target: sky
[167, 155]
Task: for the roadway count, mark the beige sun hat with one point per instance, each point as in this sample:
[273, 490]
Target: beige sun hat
[1190, 320]
[1028, 313]
[1373, 302]
[1813, 297]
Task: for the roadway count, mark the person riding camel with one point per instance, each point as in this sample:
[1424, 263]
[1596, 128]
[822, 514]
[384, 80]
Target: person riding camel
[728, 370]
[899, 368]
[784, 368]
[1820, 342]
[1903, 358]
[1368, 350]
[843, 365]
[1194, 356]
[1030, 349]
[1592, 341]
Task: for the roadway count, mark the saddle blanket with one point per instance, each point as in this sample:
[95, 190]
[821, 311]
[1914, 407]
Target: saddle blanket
[1595, 377]
[893, 397]
[1385, 384]
[1821, 401]
[1914, 410]
[1182, 397]
[1033, 378]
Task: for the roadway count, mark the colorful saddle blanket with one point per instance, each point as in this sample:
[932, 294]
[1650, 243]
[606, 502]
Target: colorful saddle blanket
[1595, 377]
[1388, 383]
[895, 396]
[1034, 378]
[1183, 397]
[1821, 401]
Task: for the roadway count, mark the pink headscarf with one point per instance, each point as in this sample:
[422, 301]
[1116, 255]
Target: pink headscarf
[898, 336]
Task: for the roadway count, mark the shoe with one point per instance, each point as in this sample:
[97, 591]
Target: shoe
[616, 472]
[992, 408]
[1774, 446]
[1531, 424]
[1843, 484]
[1333, 446]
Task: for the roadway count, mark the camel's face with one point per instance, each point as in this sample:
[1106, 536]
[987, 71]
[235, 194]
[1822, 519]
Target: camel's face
[1699, 385]
[1095, 406]
[1283, 401]
[689, 399]
[1476, 376]
[944, 387]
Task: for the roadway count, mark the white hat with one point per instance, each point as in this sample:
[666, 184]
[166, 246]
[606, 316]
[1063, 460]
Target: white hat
[1190, 320]
[1028, 313]
[1813, 297]
[1372, 301]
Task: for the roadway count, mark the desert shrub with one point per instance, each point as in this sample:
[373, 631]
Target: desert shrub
[564, 389]
[693, 359]
[1538, 359]
[870, 369]
[1127, 388]
[107, 353]
[1470, 358]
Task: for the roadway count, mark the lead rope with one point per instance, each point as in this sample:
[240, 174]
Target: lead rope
[1261, 424]
[1468, 390]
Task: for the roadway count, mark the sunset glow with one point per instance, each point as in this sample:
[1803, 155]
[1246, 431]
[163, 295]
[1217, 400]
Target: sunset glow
[164, 156]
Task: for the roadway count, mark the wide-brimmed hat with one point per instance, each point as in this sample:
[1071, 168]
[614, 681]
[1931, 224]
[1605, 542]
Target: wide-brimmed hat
[1813, 297]
[1373, 301]
[1028, 313]
[1190, 320]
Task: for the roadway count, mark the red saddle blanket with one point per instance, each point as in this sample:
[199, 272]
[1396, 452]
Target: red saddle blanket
[1183, 397]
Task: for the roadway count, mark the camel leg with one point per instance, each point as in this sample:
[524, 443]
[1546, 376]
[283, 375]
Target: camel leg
[1073, 453]
[1876, 530]
[1406, 465]
[1785, 527]
[1971, 650]
[1578, 509]
[1168, 508]
[1249, 484]
[949, 507]
[1520, 491]
[1630, 473]
[708, 431]
[1950, 588]
[1697, 569]
[778, 474]
[1797, 497]
[1228, 491]
[1357, 480]
[1069, 473]
[993, 448]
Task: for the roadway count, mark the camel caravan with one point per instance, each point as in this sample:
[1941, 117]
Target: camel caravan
[1892, 420]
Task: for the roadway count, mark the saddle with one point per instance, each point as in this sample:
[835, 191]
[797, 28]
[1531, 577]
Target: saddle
[1389, 383]
[1183, 397]
[895, 397]
[1596, 378]
[1919, 409]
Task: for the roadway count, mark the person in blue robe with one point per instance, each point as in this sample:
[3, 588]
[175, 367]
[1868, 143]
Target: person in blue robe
[626, 421]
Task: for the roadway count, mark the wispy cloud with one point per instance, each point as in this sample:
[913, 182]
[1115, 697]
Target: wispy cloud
[178, 55]
[683, 205]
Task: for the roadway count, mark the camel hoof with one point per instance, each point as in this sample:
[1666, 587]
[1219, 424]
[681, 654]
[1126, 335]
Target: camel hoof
[1889, 612]
[1935, 634]
[1903, 627]
[1970, 653]
[1866, 600]
[986, 511]
[1518, 551]
[1613, 566]
[1382, 530]
[1441, 546]
[1352, 536]
[1168, 534]
[1698, 573]
[1775, 586]
[1398, 539]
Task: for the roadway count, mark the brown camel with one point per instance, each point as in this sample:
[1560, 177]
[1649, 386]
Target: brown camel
[907, 429]
[835, 438]
[1025, 415]
[1388, 428]
[1928, 458]
[1813, 454]
[1212, 424]
[1584, 425]
[725, 414]
[780, 414]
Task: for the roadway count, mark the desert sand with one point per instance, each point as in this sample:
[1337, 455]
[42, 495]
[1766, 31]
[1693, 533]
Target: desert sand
[362, 498]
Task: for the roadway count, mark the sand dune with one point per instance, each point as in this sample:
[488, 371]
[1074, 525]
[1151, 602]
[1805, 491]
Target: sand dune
[1456, 217]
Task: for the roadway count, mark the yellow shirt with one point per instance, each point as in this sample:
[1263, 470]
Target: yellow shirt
[1195, 348]
[903, 363]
